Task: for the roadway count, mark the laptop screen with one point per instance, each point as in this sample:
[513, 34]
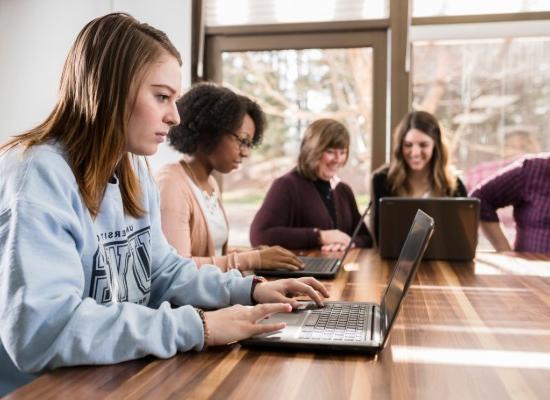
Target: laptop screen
[355, 232]
[455, 237]
[405, 268]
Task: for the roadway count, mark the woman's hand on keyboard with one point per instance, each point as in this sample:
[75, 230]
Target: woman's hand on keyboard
[283, 291]
[278, 257]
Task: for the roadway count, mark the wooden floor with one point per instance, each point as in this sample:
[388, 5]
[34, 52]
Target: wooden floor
[477, 330]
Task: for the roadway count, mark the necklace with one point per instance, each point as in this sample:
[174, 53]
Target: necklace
[210, 200]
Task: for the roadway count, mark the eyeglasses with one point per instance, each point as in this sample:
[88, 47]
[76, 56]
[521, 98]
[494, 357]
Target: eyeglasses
[244, 143]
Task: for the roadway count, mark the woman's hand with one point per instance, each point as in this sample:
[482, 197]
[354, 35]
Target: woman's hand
[283, 291]
[333, 247]
[334, 240]
[334, 236]
[235, 323]
[278, 257]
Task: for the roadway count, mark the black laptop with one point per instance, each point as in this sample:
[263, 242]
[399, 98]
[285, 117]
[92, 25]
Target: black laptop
[456, 220]
[363, 327]
[318, 267]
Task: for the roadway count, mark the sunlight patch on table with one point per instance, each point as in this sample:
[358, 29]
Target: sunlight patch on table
[474, 329]
[471, 357]
[498, 264]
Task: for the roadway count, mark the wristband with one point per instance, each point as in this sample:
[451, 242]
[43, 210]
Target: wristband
[204, 327]
[255, 281]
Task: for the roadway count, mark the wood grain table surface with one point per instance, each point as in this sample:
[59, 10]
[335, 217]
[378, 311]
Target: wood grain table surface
[478, 330]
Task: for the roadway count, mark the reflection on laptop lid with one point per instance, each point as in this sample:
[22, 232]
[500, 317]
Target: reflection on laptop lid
[456, 220]
[355, 326]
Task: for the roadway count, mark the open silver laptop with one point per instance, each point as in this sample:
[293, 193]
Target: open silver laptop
[351, 326]
[317, 267]
[456, 220]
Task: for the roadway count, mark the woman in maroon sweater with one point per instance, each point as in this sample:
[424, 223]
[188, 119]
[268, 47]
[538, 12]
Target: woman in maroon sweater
[309, 207]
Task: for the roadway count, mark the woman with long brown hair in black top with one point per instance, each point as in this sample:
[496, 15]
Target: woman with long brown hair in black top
[419, 166]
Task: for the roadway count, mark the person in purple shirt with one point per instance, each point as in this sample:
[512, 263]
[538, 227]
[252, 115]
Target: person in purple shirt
[525, 185]
[310, 207]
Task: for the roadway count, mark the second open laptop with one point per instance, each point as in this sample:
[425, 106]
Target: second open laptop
[317, 267]
[355, 326]
[456, 220]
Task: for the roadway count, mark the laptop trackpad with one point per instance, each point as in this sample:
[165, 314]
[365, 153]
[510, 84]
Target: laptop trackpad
[293, 321]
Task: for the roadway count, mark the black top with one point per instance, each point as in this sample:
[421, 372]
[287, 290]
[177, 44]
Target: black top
[381, 188]
[324, 189]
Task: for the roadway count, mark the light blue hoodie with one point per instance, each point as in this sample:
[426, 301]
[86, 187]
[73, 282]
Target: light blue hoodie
[74, 290]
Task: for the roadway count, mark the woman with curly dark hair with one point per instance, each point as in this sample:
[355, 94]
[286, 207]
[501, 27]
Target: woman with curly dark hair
[218, 129]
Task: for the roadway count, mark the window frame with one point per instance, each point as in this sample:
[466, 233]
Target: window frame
[389, 37]
[325, 36]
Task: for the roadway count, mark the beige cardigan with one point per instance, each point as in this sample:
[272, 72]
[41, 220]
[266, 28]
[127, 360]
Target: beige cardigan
[185, 226]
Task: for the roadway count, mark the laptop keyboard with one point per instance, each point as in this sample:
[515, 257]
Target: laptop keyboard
[339, 322]
[317, 264]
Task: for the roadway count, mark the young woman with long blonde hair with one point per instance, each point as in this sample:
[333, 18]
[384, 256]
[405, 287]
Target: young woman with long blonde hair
[86, 275]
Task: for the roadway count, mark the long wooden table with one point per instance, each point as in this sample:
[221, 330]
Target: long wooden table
[466, 331]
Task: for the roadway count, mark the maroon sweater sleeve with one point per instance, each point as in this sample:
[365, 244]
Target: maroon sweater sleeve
[273, 224]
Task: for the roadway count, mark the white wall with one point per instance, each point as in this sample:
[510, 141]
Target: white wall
[174, 18]
[35, 37]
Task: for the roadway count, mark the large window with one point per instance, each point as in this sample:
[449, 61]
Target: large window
[295, 87]
[485, 92]
[487, 82]
[492, 98]
[319, 72]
